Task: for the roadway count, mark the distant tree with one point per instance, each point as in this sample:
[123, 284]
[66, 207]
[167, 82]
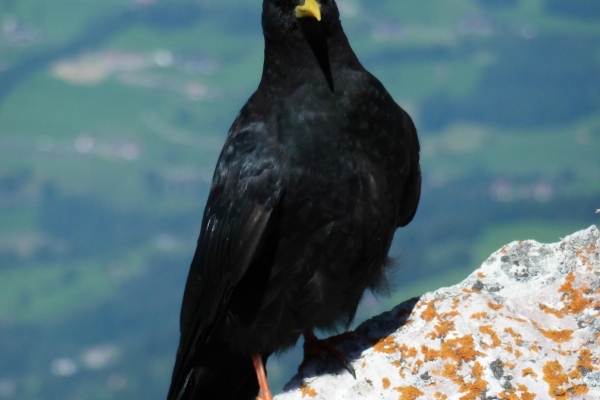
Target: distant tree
[546, 80]
[12, 182]
[9, 5]
[585, 9]
[498, 3]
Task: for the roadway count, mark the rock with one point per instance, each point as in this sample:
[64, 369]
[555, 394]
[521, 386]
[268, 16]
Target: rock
[524, 325]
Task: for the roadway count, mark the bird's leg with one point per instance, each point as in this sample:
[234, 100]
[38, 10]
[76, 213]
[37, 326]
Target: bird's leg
[325, 350]
[265, 392]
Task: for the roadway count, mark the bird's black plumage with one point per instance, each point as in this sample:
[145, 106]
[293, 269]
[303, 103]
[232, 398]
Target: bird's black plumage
[319, 169]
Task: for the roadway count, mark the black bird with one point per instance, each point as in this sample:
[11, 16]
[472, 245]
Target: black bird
[319, 169]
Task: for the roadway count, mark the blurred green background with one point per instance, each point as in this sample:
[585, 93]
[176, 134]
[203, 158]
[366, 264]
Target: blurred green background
[113, 113]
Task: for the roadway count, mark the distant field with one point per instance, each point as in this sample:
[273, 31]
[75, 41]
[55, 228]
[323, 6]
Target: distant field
[113, 114]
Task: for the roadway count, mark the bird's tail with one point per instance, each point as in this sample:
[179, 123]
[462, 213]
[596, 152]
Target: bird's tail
[218, 374]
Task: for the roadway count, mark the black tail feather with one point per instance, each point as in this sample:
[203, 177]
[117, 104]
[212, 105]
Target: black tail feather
[219, 374]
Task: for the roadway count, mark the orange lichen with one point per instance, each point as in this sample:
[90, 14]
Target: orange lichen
[584, 362]
[549, 310]
[508, 395]
[450, 314]
[518, 353]
[407, 352]
[588, 258]
[386, 345]
[525, 395]
[487, 329]
[555, 378]
[417, 367]
[573, 298]
[409, 392]
[429, 354]
[477, 370]
[515, 335]
[516, 318]
[479, 315]
[404, 351]
[460, 349]
[441, 329]
[481, 275]
[470, 291]
[494, 306]
[534, 348]
[306, 390]
[363, 364]
[440, 396]
[562, 352]
[512, 394]
[455, 304]
[386, 383]
[429, 313]
[510, 365]
[472, 390]
[529, 371]
[557, 336]
[579, 389]
[449, 371]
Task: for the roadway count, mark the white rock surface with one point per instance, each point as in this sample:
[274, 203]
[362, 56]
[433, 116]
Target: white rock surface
[524, 325]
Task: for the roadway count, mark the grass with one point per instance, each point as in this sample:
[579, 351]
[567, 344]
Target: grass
[50, 18]
[440, 14]
[419, 80]
[38, 292]
[17, 221]
[49, 107]
[47, 291]
[199, 40]
[45, 108]
[547, 152]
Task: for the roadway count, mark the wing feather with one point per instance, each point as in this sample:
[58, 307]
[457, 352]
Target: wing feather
[246, 188]
[411, 193]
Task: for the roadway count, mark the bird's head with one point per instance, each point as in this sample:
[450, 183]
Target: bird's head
[284, 16]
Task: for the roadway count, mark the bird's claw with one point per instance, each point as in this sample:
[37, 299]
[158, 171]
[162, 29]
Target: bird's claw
[339, 361]
[326, 351]
[348, 367]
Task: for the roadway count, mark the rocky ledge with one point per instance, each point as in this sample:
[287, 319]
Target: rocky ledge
[524, 325]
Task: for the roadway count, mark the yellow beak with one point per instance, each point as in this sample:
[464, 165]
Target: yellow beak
[310, 9]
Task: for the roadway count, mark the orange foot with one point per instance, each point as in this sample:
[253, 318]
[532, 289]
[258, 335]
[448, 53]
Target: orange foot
[326, 350]
[265, 392]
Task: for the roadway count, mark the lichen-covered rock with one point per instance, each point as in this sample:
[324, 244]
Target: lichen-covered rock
[524, 325]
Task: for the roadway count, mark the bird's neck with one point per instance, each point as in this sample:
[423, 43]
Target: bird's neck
[291, 59]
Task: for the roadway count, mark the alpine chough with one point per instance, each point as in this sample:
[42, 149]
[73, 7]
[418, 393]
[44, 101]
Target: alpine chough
[319, 169]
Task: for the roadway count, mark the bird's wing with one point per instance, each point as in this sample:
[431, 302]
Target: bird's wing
[411, 193]
[246, 188]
